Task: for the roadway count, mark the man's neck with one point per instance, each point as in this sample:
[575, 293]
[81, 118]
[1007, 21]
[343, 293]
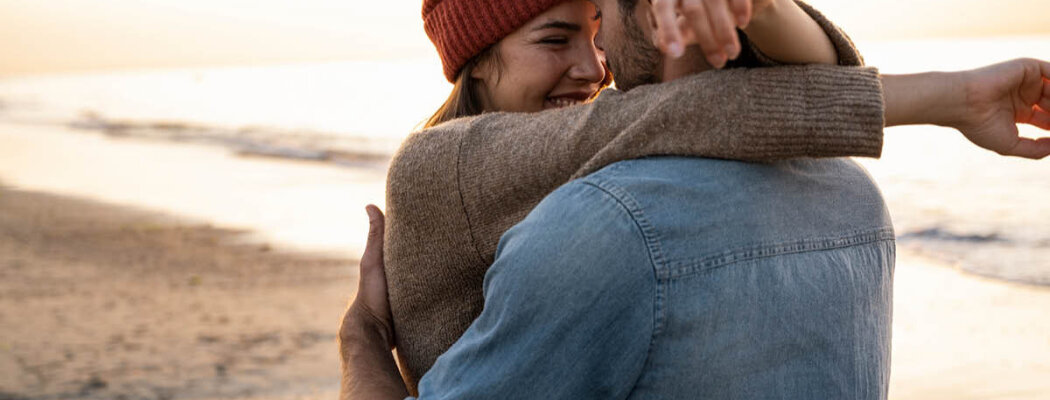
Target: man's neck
[692, 62]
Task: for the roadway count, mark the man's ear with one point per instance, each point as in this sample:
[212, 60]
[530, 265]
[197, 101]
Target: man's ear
[646, 20]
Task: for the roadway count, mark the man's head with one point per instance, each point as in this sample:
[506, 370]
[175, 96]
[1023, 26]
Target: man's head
[631, 56]
[626, 33]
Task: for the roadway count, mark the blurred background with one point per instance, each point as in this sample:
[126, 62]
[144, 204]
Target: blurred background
[182, 187]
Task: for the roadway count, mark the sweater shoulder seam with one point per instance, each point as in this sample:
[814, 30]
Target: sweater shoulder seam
[459, 192]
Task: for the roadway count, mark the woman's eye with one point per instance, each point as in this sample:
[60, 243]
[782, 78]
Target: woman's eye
[555, 40]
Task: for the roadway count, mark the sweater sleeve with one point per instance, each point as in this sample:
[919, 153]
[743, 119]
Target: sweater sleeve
[508, 162]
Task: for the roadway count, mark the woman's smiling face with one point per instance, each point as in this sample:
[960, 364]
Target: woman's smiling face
[550, 62]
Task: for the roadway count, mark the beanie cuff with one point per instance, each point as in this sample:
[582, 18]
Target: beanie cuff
[461, 29]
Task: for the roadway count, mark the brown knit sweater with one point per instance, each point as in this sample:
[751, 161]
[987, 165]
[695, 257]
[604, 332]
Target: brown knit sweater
[454, 189]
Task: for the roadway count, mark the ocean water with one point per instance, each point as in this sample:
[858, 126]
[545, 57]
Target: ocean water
[338, 111]
[970, 208]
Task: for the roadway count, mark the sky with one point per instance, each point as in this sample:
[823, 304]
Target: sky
[43, 36]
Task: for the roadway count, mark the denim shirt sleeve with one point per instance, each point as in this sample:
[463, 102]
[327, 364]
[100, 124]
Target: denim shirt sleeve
[569, 308]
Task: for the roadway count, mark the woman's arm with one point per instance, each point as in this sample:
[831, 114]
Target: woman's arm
[984, 104]
[786, 33]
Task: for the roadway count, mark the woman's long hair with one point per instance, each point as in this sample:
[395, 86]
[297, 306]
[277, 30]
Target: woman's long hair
[465, 99]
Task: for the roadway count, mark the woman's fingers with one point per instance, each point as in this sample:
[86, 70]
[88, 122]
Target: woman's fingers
[741, 12]
[668, 38]
[1035, 149]
[1044, 101]
[1040, 118]
[723, 25]
[710, 23]
[698, 21]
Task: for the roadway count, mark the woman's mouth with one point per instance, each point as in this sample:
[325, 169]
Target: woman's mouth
[559, 102]
[566, 100]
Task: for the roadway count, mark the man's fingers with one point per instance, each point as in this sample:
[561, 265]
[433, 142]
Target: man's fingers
[670, 40]
[373, 257]
[1031, 148]
[724, 28]
[741, 12]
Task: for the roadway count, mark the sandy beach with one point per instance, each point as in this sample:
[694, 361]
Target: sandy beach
[107, 302]
[141, 270]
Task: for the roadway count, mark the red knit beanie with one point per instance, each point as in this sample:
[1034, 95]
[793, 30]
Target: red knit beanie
[460, 29]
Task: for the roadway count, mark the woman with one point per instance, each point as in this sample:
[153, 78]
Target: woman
[447, 210]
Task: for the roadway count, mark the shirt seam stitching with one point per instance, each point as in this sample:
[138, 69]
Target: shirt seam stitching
[650, 236]
[744, 254]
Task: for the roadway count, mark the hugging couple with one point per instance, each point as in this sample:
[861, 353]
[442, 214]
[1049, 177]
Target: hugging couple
[694, 233]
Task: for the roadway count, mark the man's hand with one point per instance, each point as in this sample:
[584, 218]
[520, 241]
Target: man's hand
[366, 334]
[709, 23]
[999, 97]
[372, 306]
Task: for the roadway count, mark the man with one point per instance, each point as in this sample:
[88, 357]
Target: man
[670, 278]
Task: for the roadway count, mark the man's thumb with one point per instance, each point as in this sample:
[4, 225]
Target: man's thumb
[374, 247]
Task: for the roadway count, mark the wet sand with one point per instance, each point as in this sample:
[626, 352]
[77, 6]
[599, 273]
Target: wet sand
[961, 336]
[133, 269]
[107, 302]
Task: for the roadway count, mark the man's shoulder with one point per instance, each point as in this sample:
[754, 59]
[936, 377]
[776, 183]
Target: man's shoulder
[700, 207]
[580, 238]
[696, 171]
[580, 209]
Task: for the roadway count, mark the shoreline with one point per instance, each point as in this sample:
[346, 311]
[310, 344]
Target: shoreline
[276, 200]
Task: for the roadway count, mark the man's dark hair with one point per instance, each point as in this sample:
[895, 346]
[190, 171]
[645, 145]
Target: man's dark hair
[627, 7]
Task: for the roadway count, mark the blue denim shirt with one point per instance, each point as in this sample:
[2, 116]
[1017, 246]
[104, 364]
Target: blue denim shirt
[673, 278]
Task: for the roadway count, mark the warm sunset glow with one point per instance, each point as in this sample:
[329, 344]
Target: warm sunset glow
[98, 34]
[60, 35]
[920, 19]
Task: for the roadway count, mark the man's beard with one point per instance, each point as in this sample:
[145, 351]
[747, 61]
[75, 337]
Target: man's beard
[637, 61]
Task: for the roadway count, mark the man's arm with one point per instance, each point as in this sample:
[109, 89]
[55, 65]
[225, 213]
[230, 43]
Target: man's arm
[366, 335]
[569, 308]
[569, 312]
[369, 370]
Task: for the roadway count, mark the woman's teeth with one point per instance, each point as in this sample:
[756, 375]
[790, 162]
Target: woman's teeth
[562, 101]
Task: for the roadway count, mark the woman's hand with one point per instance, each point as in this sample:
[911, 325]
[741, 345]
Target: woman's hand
[370, 310]
[709, 23]
[1000, 96]
[985, 104]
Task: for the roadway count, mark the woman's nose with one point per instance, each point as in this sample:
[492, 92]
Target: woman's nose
[589, 65]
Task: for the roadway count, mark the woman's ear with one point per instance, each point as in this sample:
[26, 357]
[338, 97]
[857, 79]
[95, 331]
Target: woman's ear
[483, 70]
